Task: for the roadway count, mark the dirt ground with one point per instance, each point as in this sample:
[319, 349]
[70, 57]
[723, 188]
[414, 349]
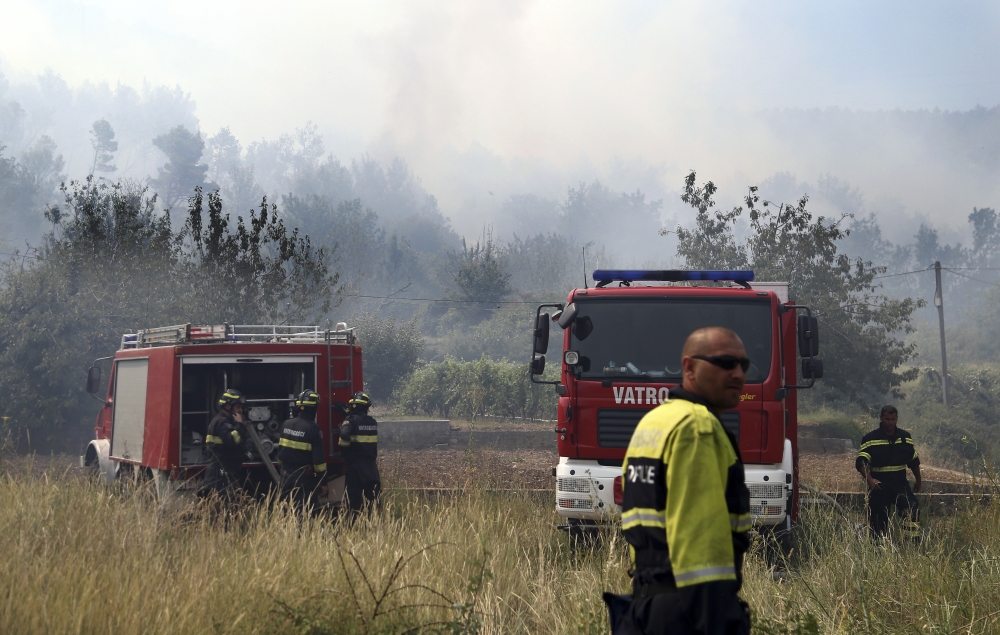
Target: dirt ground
[530, 469]
[533, 469]
[836, 473]
[505, 469]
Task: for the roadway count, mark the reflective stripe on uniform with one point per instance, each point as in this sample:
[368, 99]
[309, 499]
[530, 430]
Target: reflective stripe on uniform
[295, 445]
[236, 437]
[908, 440]
[344, 442]
[708, 574]
[365, 438]
[211, 438]
[889, 468]
[869, 444]
[320, 467]
[865, 455]
[740, 522]
[644, 516]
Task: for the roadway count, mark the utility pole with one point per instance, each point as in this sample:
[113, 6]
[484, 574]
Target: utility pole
[939, 303]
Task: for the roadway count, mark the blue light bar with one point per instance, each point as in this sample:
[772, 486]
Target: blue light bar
[605, 276]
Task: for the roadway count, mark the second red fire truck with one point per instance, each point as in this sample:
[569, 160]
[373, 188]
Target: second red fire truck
[164, 385]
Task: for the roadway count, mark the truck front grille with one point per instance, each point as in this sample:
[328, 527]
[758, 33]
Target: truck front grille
[575, 503]
[766, 490]
[578, 485]
[763, 511]
[615, 426]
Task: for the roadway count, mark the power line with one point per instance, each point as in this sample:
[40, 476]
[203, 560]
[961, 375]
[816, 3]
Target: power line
[445, 300]
[905, 273]
[992, 284]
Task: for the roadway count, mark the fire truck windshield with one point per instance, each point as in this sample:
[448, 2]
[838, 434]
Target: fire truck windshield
[642, 338]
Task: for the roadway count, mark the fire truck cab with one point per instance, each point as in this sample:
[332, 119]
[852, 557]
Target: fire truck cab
[621, 354]
[164, 385]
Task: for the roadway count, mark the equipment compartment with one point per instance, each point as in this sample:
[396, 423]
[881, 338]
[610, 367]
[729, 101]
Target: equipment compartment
[270, 384]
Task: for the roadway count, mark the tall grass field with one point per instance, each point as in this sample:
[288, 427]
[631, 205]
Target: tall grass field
[79, 557]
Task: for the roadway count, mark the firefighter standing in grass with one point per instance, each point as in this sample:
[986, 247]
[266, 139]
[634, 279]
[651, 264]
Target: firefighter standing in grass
[686, 508]
[359, 446]
[884, 455]
[224, 440]
[301, 454]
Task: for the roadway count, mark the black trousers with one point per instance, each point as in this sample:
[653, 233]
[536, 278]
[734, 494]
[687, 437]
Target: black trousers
[362, 484]
[898, 497]
[227, 484]
[713, 608]
[299, 488]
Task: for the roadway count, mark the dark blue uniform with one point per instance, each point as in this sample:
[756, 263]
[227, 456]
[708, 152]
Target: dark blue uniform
[359, 447]
[887, 459]
[302, 458]
[224, 441]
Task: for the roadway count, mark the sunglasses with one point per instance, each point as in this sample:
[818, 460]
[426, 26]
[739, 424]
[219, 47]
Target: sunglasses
[725, 362]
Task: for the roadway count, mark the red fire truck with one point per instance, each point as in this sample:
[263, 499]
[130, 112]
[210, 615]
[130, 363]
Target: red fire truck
[164, 385]
[621, 354]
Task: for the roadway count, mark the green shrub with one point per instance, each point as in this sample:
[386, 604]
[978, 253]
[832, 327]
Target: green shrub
[485, 387]
[969, 429]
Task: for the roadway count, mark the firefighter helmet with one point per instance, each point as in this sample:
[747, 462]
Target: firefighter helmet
[232, 396]
[360, 400]
[307, 400]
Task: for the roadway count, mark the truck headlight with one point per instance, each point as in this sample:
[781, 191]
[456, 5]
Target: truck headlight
[572, 358]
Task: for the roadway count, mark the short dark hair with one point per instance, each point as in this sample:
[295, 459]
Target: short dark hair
[888, 410]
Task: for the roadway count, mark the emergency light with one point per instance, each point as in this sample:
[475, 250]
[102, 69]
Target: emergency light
[605, 276]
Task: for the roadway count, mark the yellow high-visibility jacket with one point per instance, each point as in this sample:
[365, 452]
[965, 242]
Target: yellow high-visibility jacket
[686, 505]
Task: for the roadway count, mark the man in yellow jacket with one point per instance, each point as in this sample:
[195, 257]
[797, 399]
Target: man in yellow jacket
[686, 506]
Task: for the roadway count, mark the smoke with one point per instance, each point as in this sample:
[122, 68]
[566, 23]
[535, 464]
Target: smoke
[492, 100]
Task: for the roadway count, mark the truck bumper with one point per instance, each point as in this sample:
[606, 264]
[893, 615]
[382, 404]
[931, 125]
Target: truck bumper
[585, 491]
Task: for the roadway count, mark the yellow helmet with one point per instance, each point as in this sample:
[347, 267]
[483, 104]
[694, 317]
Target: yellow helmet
[231, 396]
[307, 399]
[360, 400]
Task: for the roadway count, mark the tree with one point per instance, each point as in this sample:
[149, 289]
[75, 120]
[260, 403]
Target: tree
[112, 264]
[102, 138]
[182, 171]
[392, 350]
[108, 267]
[17, 195]
[985, 236]
[480, 271]
[257, 271]
[224, 151]
[863, 351]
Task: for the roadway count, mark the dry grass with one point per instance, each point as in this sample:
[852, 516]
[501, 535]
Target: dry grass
[948, 583]
[80, 558]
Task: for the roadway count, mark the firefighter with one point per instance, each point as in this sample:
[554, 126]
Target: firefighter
[884, 455]
[359, 447]
[302, 455]
[686, 506]
[224, 440]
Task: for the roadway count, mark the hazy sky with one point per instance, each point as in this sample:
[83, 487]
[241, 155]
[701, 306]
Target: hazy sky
[675, 84]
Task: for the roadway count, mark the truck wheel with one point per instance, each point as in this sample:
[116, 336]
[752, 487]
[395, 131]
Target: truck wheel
[776, 545]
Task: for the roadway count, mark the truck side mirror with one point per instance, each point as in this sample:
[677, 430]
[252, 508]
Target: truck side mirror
[568, 315]
[93, 379]
[812, 368]
[541, 345]
[538, 364]
[808, 336]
